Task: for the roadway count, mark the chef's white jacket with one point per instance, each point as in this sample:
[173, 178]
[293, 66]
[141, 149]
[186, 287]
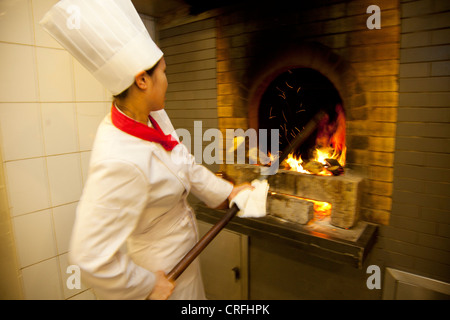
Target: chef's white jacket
[136, 194]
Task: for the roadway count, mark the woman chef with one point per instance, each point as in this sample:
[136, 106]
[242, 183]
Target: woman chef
[137, 186]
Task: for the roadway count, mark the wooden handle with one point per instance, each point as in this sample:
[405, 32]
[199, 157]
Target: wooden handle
[202, 243]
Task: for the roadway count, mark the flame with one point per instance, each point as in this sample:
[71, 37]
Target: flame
[330, 144]
[296, 164]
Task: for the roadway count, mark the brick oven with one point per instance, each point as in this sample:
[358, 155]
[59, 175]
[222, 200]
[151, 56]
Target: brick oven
[285, 95]
[255, 46]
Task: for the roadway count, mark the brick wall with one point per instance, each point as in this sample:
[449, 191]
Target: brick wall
[334, 40]
[417, 238]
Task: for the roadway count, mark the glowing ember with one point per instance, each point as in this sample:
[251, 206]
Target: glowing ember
[321, 209]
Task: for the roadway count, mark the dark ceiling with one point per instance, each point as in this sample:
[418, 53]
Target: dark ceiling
[158, 8]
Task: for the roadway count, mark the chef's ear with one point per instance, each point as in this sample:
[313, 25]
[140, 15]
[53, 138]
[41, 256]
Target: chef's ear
[142, 80]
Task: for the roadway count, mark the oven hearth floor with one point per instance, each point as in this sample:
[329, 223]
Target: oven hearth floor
[324, 227]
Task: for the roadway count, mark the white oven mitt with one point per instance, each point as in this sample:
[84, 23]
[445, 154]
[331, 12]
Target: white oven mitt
[252, 203]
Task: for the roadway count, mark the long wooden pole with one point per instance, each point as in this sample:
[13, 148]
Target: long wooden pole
[214, 231]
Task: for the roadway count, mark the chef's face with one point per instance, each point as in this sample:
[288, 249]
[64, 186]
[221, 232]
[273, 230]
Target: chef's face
[157, 91]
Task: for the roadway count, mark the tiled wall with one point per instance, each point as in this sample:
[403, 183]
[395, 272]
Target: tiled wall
[417, 239]
[190, 53]
[10, 288]
[50, 107]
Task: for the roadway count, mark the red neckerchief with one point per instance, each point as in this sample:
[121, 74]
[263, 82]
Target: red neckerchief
[142, 131]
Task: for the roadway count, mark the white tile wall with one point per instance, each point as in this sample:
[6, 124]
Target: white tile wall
[87, 88]
[18, 79]
[60, 128]
[64, 175]
[18, 13]
[50, 107]
[42, 38]
[63, 219]
[27, 185]
[35, 238]
[55, 73]
[21, 131]
[89, 115]
[42, 281]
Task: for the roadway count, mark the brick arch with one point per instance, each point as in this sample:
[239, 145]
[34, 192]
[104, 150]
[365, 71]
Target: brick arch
[306, 55]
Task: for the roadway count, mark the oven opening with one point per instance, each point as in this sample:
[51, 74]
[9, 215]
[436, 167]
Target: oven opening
[290, 101]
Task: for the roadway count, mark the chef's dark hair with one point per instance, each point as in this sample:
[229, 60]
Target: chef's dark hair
[124, 94]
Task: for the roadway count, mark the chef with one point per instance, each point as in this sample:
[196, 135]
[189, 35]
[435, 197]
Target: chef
[137, 186]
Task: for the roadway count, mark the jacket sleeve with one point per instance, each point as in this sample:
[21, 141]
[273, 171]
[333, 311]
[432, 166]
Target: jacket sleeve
[205, 185]
[111, 205]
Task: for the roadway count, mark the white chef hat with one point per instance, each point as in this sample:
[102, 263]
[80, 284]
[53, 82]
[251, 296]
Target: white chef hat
[106, 36]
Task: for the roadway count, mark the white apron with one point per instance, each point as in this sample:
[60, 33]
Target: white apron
[136, 194]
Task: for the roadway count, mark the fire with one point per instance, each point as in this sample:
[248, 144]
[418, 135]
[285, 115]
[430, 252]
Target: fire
[322, 157]
[330, 144]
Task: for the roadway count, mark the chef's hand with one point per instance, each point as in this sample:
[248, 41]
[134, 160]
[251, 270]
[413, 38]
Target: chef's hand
[233, 193]
[163, 287]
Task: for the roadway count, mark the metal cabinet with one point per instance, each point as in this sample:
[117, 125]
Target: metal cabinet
[224, 264]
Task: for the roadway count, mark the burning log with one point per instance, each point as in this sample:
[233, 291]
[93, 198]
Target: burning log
[334, 167]
[321, 166]
[314, 167]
